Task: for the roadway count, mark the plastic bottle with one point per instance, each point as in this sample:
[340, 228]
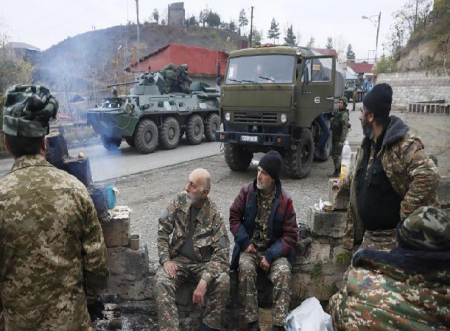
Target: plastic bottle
[346, 156]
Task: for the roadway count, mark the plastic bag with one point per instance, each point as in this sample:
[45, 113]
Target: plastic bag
[309, 316]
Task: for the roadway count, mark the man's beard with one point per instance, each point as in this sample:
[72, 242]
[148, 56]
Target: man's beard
[367, 129]
[262, 186]
[192, 199]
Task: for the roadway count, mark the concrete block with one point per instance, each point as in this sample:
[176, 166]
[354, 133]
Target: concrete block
[130, 264]
[98, 196]
[56, 151]
[339, 201]
[444, 192]
[80, 168]
[127, 289]
[319, 253]
[116, 230]
[327, 224]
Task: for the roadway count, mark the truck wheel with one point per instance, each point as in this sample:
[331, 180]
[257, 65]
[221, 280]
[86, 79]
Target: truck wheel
[212, 125]
[169, 136]
[237, 157]
[195, 130]
[130, 141]
[298, 161]
[146, 137]
[324, 154]
[111, 144]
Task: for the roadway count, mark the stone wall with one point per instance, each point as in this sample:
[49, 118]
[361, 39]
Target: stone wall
[415, 86]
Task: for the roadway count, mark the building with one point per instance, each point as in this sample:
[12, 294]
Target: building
[176, 14]
[363, 70]
[19, 50]
[202, 62]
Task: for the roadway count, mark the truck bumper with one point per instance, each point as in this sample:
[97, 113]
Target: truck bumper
[246, 138]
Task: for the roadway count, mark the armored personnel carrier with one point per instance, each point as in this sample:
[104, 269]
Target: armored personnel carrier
[149, 116]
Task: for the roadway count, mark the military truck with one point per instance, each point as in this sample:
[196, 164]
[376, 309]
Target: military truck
[350, 86]
[148, 116]
[270, 99]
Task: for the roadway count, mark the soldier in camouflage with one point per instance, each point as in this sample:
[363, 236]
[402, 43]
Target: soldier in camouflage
[52, 253]
[392, 176]
[339, 131]
[263, 222]
[198, 250]
[176, 78]
[404, 289]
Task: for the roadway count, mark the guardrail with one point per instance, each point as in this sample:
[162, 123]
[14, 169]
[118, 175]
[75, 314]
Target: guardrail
[429, 108]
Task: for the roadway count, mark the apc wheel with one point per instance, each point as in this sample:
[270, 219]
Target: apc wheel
[169, 136]
[237, 157]
[195, 130]
[146, 137]
[298, 161]
[212, 125]
[130, 141]
[111, 144]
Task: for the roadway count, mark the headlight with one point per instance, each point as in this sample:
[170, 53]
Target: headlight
[227, 117]
[283, 118]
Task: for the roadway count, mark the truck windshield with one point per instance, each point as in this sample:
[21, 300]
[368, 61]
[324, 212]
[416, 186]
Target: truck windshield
[261, 69]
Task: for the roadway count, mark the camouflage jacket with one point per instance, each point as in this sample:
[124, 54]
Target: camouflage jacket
[210, 239]
[340, 125]
[411, 172]
[51, 248]
[398, 290]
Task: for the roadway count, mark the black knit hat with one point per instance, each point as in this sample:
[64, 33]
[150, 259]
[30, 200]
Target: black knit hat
[379, 100]
[271, 163]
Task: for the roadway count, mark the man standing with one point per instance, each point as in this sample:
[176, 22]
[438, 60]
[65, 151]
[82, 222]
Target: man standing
[354, 98]
[393, 175]
[199, 250]
[339, 130]
[263, 222]
[52, 252]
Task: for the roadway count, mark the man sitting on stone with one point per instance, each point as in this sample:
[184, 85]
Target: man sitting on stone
[263, 222]
[198, 250]
[404, 289]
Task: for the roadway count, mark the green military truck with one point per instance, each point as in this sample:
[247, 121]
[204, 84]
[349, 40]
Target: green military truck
[149, 116]
[350, 86]
[270, 100]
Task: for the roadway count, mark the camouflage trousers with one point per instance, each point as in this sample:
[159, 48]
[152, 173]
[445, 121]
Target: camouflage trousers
[381, 240]
[280, 276]
[166, 289]
[336, 154]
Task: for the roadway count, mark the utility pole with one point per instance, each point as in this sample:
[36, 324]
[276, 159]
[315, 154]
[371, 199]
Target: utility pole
[138, 43]
[378, 32]
[251, 26]
[415, 20]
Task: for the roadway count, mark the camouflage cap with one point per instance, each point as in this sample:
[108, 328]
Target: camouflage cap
[345, 100]
[426, 229]
[27, 111]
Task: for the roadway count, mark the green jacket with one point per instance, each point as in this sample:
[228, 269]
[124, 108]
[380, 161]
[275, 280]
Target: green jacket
[340, 125]
[51, 248]
[210, 239]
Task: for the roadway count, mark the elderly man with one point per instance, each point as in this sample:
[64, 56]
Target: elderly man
[404, 289]
[263, 222]
[199, 250]
[52, 252]
[393, 175]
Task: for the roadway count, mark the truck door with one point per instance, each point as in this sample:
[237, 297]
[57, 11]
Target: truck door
[315, 89]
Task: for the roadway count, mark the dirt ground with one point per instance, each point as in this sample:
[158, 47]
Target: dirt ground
[148, 193]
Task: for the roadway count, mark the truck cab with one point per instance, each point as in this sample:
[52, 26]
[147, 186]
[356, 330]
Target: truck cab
[270, 100]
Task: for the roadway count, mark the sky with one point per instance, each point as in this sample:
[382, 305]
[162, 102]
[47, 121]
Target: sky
[45, 23]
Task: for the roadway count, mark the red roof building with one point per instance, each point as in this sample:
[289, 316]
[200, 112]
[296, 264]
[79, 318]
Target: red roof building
[361, 67]
[200, 61]
[325, 51]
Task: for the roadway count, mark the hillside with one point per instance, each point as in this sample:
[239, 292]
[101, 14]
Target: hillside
[94, 59]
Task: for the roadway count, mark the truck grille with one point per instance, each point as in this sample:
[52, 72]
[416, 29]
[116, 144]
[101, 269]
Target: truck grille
[256, 117]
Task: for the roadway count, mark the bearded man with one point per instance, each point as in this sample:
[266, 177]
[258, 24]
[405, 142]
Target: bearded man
[198, 250]
[264, 225]
[393, 176]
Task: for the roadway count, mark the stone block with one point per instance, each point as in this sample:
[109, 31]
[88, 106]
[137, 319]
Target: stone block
[444, 192]
[304, 286]
[130, 264]
[319, 253]
[98, 196]
[56, 152]
[327, 224]
[339, 201]
[137, 289]
[116, 230]
[80, 168]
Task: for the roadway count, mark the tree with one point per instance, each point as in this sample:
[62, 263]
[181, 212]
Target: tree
[191, 21]
[384, 64]
[257, 36]
[156, 15]
[340, 45]
[243, 21]
[232, 26]
[290, 39]
[203, 16]
[350, 54]
[274, 31]
[329, 44]
[311, 42]
[213, 19]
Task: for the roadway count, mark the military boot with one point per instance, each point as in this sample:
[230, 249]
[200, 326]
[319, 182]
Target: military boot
[335, 174]
[253, 326]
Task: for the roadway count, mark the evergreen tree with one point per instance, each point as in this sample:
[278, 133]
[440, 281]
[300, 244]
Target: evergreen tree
[350, 54]
[213, 19]
[232, 26]
[290, 39]
[311, 42]
[329, 44]
[191, 21]
[203, 16]
[156, 15]
[274, 31]
[243, 21]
